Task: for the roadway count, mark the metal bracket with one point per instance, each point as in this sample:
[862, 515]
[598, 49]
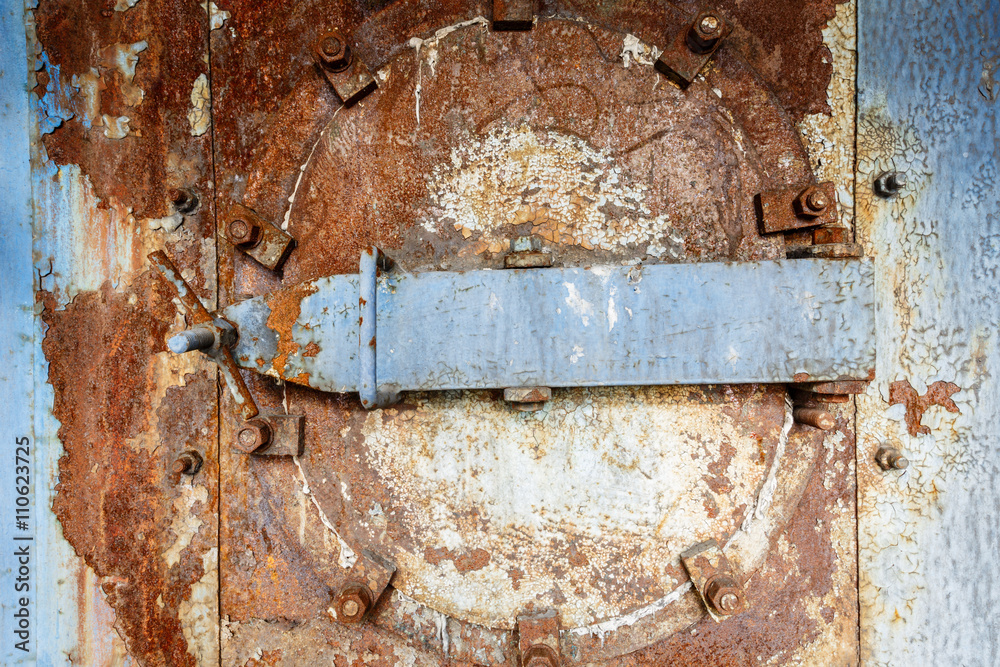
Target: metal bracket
[798, 207]
[256, 237]
[509, 15]
[367, 580]
[693, 47]
[272, 434]
[538, 639]
[714, 579]
[350, 77]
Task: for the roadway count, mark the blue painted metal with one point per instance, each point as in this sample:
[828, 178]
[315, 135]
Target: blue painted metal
[17, 333]
[779, 321]
[928, 549]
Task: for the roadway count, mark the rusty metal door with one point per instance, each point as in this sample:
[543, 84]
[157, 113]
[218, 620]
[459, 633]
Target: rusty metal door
[778, 479]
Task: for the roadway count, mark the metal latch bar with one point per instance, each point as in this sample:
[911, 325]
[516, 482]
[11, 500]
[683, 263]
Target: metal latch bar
[769, 322]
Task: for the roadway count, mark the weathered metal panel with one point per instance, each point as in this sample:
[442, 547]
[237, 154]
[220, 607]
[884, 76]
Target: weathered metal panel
[119, 133]
[928, 535]
[18, 547]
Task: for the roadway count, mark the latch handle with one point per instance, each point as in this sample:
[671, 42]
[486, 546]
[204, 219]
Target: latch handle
[213, 336]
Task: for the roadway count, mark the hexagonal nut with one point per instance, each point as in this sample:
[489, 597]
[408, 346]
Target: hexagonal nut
[706, 29]
[243, 233]
[352, 603]
[254, 434]
[812, 202]
[334, 52]
[890, 458]
[540, 655]
[724, 594]
[187, 463]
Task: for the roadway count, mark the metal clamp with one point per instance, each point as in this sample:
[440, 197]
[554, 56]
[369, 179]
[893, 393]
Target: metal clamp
[253, 235]
[714, 579]
[367, 580]
[538, 639]
[350, 77]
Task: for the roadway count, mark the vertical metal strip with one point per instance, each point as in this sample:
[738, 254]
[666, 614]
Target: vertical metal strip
[368, 289]
[19, 553]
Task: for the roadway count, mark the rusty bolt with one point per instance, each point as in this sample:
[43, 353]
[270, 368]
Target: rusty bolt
[334, 52]
[890, 183]
[705, 32]
[724, 594]
[817, 201]
[188, 463]
[254, 434]
[243, 233]
[352, 603]
[540, 655]
[184, 201]
[815, 417]
[811, 202]
[890, 458]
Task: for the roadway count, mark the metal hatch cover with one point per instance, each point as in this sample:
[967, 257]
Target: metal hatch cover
[473, 138]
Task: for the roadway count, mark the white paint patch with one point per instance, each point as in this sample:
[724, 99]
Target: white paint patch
[571, 193]
[185, 523]
[578, 304]
[298, 180]
[169, 223]
[347, 557]
[200, 114]
[216, 17]
[125, 58]
[124, 5]
[634, 49]
[199, 613]
[115, 127]
[612, 311]
[577, 354]
[604, 628]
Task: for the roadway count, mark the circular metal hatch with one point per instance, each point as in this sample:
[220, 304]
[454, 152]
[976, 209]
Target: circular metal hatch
[567, 133]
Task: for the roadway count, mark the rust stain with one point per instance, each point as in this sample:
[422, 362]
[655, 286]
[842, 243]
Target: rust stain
[938, 393]
[286, 306]
[471, 561]
[158, 153]
[114, 496]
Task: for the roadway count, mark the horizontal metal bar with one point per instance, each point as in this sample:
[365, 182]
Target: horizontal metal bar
[769, 322]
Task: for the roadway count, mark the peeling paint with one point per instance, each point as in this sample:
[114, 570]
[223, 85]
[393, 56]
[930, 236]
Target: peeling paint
[200, 115]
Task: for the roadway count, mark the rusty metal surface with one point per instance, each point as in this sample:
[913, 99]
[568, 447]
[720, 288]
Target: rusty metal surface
[929, 566]
[328, 157]
[120, 96]
[128, 102]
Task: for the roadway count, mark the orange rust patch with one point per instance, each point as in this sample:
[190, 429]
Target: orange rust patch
[114, 498]
[286, 306]
[476, 559]
[312, 349]
[801, 377]
[938, 393]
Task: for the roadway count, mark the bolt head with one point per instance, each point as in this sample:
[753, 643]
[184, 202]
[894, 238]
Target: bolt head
[890, 458]
[723, 594]
[817, 201]
[187, 463]
[184, 201]
[333, 52]
[709, 25]
[243, 233]
[890, 183]
[705, 32]
[352, 603]
[253, 435]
